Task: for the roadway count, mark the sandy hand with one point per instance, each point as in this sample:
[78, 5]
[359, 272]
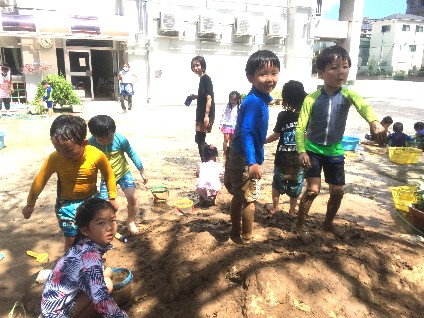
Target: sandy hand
[304, 161]
[27, 211]
[255, 171]
[114, 204]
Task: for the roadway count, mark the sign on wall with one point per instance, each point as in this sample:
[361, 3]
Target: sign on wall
[60, 24]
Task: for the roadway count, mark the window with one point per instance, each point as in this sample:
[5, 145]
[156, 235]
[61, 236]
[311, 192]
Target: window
[406, 27]
[419, 28]
[412, 48]
[385, 28]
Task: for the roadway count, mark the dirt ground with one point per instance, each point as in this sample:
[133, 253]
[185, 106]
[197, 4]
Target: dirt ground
[186, 266]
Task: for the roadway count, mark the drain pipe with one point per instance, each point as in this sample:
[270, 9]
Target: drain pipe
[147, 48]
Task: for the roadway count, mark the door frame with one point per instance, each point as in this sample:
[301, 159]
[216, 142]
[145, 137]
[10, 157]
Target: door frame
[88, 73]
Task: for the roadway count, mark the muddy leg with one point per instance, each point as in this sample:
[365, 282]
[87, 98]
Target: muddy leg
[275, 200]
[304, 205]
[333, 205]
[235, 210]
[312, 190]
[247, 215]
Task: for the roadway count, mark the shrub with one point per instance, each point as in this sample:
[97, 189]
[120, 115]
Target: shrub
[62, 94]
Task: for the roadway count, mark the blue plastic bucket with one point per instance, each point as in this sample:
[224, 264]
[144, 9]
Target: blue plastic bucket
[125, 276]
[350, 143]
[1, 140]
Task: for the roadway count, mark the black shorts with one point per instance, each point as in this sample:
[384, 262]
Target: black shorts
[333, 167]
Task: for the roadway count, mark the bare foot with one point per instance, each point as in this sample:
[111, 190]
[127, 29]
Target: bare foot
[329, 227]
[132, 228]
[270, 208]
[303, 235]
[292, 214]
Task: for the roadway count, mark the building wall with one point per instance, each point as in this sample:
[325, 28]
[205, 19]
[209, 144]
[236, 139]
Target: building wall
[168, 57]
[391, 50]
[162, 61]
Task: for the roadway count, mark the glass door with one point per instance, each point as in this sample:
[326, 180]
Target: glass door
[80, 74]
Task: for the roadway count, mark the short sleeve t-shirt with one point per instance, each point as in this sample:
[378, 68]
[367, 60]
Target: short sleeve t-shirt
[5, 84]
[286, 149]
[205, 88]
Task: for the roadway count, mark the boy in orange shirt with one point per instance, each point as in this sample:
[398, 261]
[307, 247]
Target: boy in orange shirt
[76, 165]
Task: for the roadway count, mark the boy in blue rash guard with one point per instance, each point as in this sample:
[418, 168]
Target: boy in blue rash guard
[320, 129]
[246, 154]
[114, 146]
[48, 97]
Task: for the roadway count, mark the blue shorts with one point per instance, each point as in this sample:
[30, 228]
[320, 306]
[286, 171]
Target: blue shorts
[333, 167]
[126, 181]
[283, 185]
[49, 103]
[65, 213]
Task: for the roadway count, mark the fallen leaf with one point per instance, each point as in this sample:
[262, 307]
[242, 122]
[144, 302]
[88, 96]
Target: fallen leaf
[302, 306]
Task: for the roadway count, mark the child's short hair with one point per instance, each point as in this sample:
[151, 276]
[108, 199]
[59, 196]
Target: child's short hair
[330, 54]
[419, 125]
[201, 60]
[69, 127]
[293, 95]
[87, 211]
[101, 126]
[261, 59]
[397, 127]
[237, 95]
[210, 152]
[44, 82]
[387, 120]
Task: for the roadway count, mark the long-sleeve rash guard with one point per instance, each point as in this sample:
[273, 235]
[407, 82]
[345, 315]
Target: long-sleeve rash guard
[115, 152]
[252, 126]
[77, 179]
[323, 119]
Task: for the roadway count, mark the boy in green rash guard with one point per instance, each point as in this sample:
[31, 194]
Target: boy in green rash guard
[323, 119]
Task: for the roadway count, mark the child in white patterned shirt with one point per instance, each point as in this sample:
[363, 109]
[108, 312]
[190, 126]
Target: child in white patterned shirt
[229, 119]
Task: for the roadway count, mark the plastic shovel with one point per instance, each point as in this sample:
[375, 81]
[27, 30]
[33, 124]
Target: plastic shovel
[41, 258]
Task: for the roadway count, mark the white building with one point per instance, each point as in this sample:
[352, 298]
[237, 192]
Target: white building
[88, 41]
[397, 43]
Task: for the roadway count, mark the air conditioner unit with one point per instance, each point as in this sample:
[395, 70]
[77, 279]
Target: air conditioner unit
[276, 28]
[242, 27]
[168, 23]
[207, 25]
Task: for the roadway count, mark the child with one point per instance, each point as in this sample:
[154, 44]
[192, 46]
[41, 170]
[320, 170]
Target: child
[76, 165]
[208, 184]
[288, 173]
[126, 79]
[323, 118]
[246, 154]
[205, 110]
[6, 87]
[229, 119]
[419, 134]
[398, 138]
[48, 98]
[386, 122]
[114, 146]
[78, 286]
